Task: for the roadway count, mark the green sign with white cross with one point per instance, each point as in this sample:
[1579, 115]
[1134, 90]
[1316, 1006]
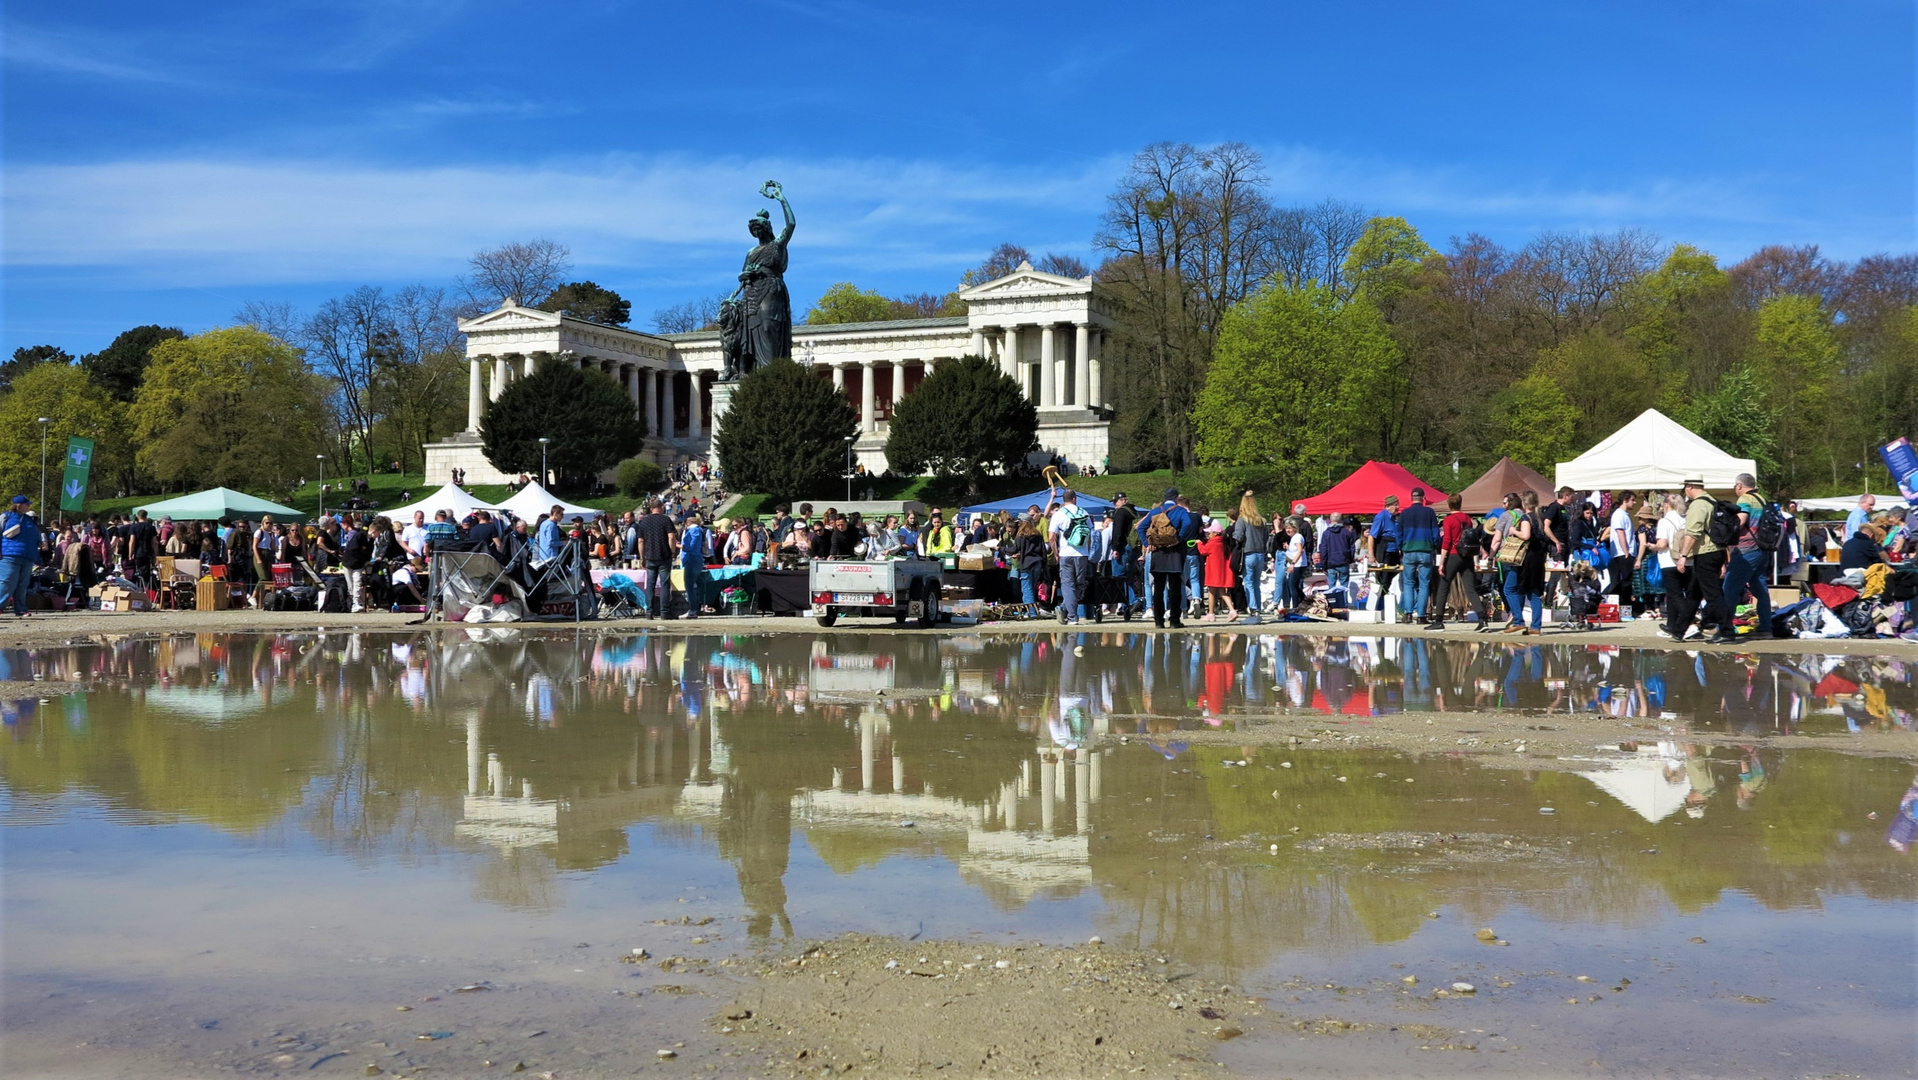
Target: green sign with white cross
[73, 486]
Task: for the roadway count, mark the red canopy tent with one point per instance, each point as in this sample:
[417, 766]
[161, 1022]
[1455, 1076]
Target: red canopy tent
[1365, 490]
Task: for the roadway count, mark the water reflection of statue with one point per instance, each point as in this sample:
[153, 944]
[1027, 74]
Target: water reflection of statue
[763, 309]
[756, 834]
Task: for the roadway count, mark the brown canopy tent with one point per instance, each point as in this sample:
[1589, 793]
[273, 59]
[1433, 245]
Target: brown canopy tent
[1488, 492]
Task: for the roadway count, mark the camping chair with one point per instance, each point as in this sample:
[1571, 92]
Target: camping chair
[621, 597]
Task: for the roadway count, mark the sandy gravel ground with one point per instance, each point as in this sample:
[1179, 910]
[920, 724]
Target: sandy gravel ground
[68, 626]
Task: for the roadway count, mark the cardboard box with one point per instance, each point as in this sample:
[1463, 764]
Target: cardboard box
[211, 595]
[972, 562]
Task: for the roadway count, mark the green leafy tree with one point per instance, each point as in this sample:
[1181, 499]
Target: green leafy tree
[1686, 322]
[1795, 359]
[62, 393]
[785, 434]
[968, 419]
[585, 300]
[1733, 417]
[1606, 380]
[589, 419]
[845, 302]
[28, 357]
[1535, 422]
[120, 366]
[1385, 260]
[638, 477]
[234, 407]
[1291, 378]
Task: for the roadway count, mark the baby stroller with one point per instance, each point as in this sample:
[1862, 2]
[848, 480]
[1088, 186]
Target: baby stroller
[1108, 588]
[620, 597]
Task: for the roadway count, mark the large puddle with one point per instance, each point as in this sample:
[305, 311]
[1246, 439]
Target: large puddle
[248, 851]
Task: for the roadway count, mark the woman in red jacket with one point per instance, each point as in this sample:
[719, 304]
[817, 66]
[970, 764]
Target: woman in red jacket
[1218, 572]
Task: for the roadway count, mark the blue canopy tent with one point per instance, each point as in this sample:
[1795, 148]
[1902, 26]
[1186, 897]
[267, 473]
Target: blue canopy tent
[1091, 504]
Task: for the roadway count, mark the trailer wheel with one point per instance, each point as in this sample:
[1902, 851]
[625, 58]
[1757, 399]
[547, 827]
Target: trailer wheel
[828, 618]
[929, 613]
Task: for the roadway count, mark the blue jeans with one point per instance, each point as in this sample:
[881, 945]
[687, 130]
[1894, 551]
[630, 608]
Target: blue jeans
[695, 588]
[16, 580]
[1281, 595]
[1075, 574]
[1254, 583]
[1515, 600]
[1028, 587]
[1415, 588]
[1338, 585]
[1118, 567]
[1746, 570]
[1194, 575]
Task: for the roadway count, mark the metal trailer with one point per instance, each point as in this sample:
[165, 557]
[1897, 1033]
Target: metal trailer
[900, 588]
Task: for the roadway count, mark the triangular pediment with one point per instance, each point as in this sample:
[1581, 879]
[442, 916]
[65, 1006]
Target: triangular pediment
[510, 316]
[1026, 281]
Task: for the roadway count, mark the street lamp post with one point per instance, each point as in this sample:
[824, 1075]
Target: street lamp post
[850, 439]
[321, 458]
[44, 421]
[542, 460]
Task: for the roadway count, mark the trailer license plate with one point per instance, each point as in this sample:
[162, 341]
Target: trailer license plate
[852, 598]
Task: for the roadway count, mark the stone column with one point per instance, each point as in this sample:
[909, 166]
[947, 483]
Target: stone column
[1009, 356]
[979, 342]
[839, 378]
[502, 370]
[868, 421]
[535, 359]
[898, 386]
[667, 426]
[1082, 365]
[649, 400]
[1095, 360]
[926, 367]
[695, 419]
[475, 392]
[1048, 369]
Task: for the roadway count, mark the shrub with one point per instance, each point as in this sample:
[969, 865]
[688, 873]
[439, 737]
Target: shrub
[638, 478]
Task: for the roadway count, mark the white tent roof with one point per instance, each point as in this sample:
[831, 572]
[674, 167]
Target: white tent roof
[452, 498]
[1653, 451]
[1848, 503]
[533, 502]
[1643, 784]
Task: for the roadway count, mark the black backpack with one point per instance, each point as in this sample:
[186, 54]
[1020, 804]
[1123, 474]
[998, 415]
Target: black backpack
[1769, 530]
[1472, 539]
[1723, 529]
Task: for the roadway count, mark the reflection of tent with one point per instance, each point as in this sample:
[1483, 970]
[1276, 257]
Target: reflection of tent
[1653, 451]
[219, 504]
[1847, 503]
[1091, 504]
[1488, 492]
[1365, 490]
[1642, 784]
[533, 502]
[452, 497]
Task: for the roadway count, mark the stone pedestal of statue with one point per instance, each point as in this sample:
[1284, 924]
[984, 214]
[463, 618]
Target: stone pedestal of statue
[722, 393]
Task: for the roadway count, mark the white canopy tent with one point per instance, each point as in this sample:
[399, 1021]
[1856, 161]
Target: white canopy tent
[451, 498]
[1849, 502]
[1652, 452]
[533, 502]
[1652, 784]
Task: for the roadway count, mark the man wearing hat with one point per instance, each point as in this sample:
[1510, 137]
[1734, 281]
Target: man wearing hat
[19, 550]
[1697, 565]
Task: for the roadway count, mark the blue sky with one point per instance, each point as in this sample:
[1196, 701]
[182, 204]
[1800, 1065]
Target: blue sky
[167, 164]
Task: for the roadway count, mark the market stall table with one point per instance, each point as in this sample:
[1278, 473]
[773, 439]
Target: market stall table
[780, 592]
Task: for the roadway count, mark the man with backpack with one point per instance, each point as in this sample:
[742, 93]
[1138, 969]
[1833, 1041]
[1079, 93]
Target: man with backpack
[1070, 532]
[1699, 564]
[1164, 533]
[356, 549]
[1461, 539]
[1761, 529]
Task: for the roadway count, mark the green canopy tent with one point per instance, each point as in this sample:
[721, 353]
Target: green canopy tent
[219, 504]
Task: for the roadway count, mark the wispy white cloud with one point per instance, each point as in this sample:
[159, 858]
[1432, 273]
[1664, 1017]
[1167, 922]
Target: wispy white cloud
[91, 57]
[187, 222]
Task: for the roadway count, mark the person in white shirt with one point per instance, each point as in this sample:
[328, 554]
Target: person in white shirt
[1623, 541]
[413, 537]
[1070, 531]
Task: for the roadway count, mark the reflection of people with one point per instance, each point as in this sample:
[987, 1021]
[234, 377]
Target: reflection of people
[1904, 823]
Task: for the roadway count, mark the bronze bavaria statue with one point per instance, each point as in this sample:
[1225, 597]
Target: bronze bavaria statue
[756, 321]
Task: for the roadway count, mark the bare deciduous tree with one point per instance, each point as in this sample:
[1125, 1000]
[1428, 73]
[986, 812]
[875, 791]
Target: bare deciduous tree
[700, 314]
[524, 271]
[275, 317]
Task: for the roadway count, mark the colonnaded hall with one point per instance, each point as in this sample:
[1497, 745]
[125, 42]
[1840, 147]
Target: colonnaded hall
[1048, 332]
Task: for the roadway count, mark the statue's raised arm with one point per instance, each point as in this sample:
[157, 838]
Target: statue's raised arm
[771, 190]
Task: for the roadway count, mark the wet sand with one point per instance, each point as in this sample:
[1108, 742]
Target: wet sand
[1641, 634]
